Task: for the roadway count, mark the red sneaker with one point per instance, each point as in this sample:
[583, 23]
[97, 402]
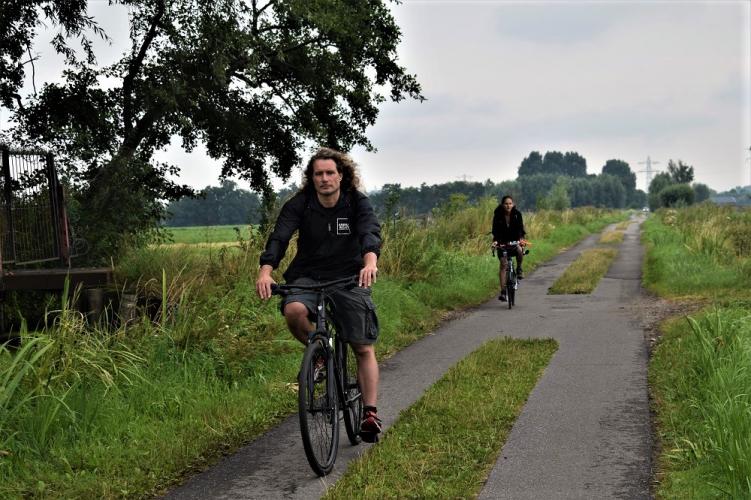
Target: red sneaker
[370, 427]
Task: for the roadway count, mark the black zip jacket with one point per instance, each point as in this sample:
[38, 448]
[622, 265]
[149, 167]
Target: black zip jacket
[503, 233]
[331, 241]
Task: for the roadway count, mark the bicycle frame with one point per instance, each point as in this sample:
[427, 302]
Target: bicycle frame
[509, 254]
[322, 331]
[342, 393]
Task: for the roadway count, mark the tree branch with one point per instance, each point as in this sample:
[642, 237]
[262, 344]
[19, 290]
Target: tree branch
[33, 69]
[135, 66]
[17, 97]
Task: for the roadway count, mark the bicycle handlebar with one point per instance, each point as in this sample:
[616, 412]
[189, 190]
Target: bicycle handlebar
[285, 289]
[510, 245]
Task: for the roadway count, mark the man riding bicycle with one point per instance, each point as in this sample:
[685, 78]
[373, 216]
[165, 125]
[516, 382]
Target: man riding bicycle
[508, 225]
[339, 236]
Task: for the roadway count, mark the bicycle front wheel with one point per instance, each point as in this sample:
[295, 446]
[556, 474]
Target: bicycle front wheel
[510, 288]
[319, 415]
[350, 387]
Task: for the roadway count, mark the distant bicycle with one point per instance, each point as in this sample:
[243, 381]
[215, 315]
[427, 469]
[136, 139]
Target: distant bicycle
[512, 282]
[327, 383]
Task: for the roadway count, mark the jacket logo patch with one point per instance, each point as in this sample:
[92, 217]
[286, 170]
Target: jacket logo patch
[342, 226]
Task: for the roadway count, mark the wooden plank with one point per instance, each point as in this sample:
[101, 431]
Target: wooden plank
[54, 279]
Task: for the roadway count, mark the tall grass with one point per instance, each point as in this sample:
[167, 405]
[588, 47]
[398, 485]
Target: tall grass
[699, 251]
[700, 372]
[93, 413]
[707, 428]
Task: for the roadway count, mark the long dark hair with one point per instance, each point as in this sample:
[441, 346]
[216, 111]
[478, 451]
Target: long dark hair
[344, 165]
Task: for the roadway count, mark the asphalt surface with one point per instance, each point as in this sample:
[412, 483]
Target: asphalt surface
[584, 432]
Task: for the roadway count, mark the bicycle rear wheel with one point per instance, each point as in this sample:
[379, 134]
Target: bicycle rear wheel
[318, 405]
[352, 404]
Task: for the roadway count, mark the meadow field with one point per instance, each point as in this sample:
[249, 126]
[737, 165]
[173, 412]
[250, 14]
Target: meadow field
[210, 235]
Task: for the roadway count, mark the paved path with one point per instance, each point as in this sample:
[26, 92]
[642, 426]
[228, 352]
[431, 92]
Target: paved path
[584, 432]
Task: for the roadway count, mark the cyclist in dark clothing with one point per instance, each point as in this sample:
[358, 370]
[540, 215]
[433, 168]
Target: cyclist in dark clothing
[338, 236]
[508, 225]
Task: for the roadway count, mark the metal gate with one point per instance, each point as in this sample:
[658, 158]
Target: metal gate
[33, 223]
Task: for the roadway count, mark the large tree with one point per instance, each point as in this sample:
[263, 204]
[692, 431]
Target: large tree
[680, 172]
[531, 165]
[254, 81]
[622, 170]
[555, 163]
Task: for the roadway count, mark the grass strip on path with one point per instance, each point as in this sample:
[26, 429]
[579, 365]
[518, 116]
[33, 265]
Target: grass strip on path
[445, 445]
[583, 275]
[612, 237]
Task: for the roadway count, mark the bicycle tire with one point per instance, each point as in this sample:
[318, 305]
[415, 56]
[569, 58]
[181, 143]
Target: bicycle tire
[351, 403]
[510, 288]
[318, 409]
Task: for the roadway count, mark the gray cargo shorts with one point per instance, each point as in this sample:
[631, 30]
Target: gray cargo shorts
[353, 311]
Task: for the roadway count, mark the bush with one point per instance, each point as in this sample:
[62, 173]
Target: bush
[677, 195]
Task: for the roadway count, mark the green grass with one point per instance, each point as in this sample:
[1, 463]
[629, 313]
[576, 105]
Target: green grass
[127, 413]
[583, 275]
[445, 445]
[612, 237]
[676, 265]
[210, 234]
[699, 372]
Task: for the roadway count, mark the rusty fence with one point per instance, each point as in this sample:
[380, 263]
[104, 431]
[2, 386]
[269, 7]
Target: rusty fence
[33, 222]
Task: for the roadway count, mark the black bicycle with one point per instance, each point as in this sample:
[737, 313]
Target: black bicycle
[327, 383]
[512, 282]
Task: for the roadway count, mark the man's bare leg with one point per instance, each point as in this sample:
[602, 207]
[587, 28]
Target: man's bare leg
[367, 373]
[298, 323]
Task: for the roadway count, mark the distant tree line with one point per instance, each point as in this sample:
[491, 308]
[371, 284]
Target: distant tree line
[215, 206]
[674, 189]
[554, 180]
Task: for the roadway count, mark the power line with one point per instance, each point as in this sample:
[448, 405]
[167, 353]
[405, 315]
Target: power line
[649, 170]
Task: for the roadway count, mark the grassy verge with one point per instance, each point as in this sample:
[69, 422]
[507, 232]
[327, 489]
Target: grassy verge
[143, 406]
[700, 375]
[445, 445]
[699, 371]
[583, 275]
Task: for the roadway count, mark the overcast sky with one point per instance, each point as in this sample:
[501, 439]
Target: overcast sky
[626, 80]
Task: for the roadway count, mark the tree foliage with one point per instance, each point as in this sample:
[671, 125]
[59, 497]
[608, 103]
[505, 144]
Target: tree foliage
[622, 170]
[658, 183]
[255, 82]
[554, 163]
[701, 192]
[680, 172]
[677, 195]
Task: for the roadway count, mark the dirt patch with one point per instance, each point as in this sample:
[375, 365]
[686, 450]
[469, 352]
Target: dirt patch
[652, 311]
